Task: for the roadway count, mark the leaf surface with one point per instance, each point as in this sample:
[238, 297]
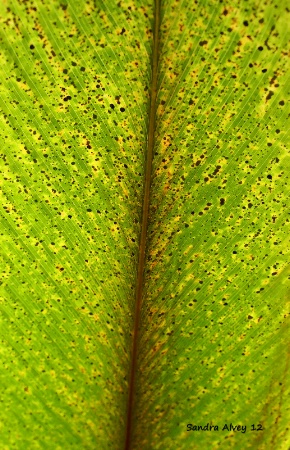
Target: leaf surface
[211, 333]
[74, 101]
[214, 340]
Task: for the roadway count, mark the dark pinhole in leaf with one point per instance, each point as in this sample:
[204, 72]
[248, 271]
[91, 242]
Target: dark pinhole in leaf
[270, 94]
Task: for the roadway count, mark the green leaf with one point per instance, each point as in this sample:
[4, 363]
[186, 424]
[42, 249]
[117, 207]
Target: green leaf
[214, 341]
[140, 296]
[74, 99]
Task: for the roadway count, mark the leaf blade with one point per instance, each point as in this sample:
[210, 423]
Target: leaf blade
[74, 104]
[213, 311]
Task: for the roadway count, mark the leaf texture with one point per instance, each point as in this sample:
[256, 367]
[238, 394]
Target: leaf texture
[214, 341]
[74, 101]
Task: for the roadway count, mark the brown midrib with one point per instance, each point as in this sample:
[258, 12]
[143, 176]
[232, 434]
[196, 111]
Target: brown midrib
[144, 226]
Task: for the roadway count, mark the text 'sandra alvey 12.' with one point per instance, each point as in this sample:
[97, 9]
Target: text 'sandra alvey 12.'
[225, 427]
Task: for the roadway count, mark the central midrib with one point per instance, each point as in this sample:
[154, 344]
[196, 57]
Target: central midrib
[144, 225]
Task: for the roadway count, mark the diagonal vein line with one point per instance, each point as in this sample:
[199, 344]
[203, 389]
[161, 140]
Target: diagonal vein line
[144, 226]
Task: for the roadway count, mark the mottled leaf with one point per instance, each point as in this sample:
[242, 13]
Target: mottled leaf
[74, 101]
[78, 124]
[214, 341]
